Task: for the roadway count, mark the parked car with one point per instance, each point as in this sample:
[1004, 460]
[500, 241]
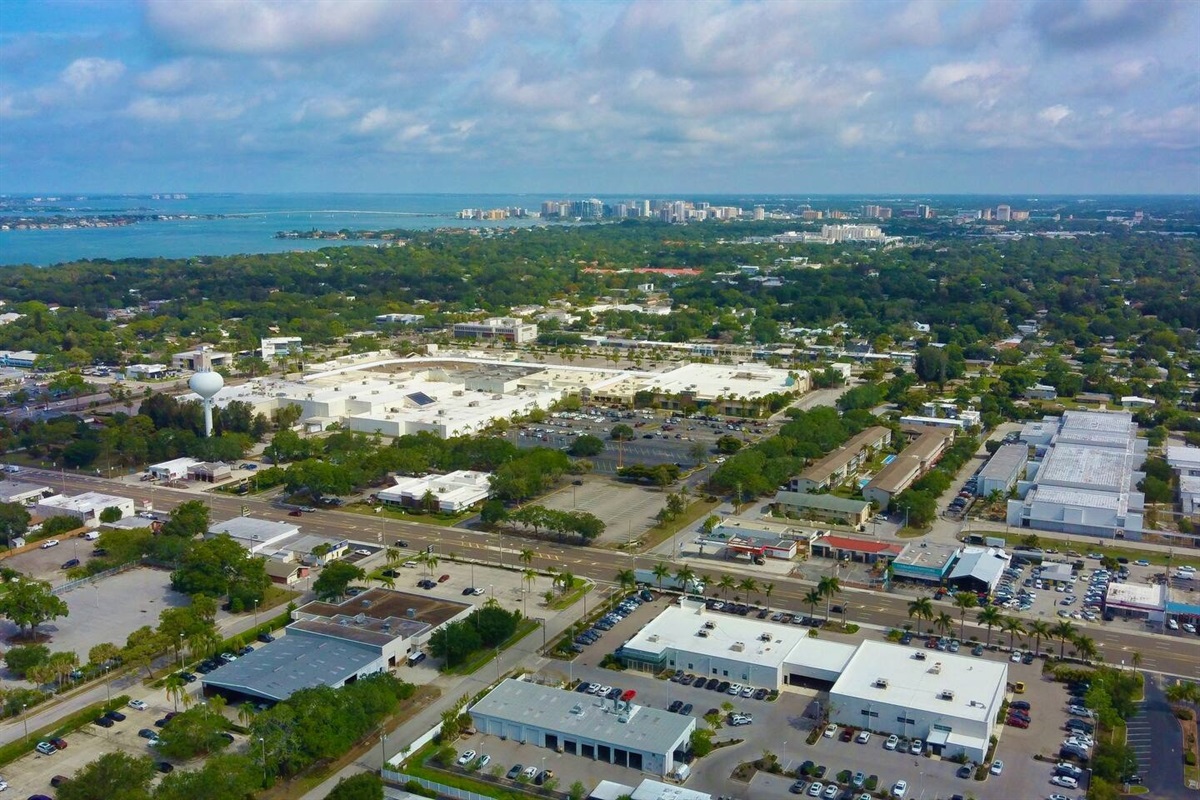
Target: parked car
[115, 716]
[892, 742]
[46, 545]
[265, 638]
[514, 772]
[139, 705]
[46, 749]
[103, 722]
[466, 758]
[74, 562]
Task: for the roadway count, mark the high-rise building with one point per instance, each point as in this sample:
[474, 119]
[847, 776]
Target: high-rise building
[1004, 213]
[760, 213]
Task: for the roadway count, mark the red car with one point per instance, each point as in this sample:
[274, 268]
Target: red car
[296, 513]
[1017, 722]
[60, 744]
[443, 579]
[628, 695]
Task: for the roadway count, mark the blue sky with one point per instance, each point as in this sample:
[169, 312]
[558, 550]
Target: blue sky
[662, 96]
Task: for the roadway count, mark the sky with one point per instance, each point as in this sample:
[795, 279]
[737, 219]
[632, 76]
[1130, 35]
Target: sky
[592, 96]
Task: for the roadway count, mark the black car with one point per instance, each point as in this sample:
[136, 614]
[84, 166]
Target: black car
[713, 683]
[245, 651]
[74, 562]
[1022, 705]
[906, 638]
[206, 666]
[675, 706]
[164, 767]
[401, 543]
[187, 677]
[265, 638]
[146, 733]
[686, 710]
[390, 573]
[760, 694]
[723, 687]
[820, 771]
[115, 716]
[687, 680]
[1027, 658]
[104, 722]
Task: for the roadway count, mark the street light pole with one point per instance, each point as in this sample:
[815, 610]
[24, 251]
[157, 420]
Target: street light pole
[263, 742]
[25, 718]
[180, 649]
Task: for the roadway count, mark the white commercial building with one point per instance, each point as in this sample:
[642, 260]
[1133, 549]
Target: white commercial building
[258, 536]
[201, 359]
[950, 701]
[25, 493]
[146, 372]
[86, 507]
[613, 731]
[451, 493]
[507, 329]
[279, 346]
[1003, 469]
[1084, 480]
[173, 470]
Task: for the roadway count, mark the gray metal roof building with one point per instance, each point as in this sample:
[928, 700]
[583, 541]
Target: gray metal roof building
[299, 660]
[978, 569]
[1003, 469]
[625, 734]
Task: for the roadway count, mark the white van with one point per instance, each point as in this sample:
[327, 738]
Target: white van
[90, 536]
[416, 658]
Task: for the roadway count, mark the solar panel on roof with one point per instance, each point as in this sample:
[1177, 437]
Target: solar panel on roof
[420, 398]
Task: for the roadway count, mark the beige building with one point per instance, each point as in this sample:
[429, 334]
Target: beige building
[916, 459]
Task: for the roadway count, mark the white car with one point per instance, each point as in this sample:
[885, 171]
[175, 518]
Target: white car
[362, 551]
[46, 545]
[863, 737]
[140, 705]
[1189, 627]
[530, 772]
[997, 767]
[916, 748]
[1171, 623]
[3, 785]
[592, 688]
[830, 731]
[1065, 781]
[748, 691]
[900, 789]
[735, 689]
[466, 758]
[1015, 657]
[603, 691]
[892, 742]
[815, 789]
[484, 760]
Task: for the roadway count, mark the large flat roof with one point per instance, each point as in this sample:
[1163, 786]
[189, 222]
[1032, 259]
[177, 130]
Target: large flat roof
[1005, 461]
[677, 626]
[383, 604]
[820, 471]
[647, 730]
[918, 685]
[926, 554]
[297, 661]
[981, 564]
[821, 502]
[1085, 466]
[1135, 595]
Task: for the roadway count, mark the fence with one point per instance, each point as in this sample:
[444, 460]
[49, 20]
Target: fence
[400, 778]
[75, 584]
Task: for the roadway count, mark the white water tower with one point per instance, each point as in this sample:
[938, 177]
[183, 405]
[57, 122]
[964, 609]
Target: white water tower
[207, 384]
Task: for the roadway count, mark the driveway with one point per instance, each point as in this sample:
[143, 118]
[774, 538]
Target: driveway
[1164, 776]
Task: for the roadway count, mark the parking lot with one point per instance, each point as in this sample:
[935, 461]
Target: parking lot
[627, 510]
[46, 564]
[109, 609]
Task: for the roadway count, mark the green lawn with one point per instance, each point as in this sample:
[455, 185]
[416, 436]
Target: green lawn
[482, 657]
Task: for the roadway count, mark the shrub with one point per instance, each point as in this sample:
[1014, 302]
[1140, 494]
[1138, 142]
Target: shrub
[1189, 758]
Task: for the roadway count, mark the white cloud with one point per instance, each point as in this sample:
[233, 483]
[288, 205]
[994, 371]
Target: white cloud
[1054, 114]
[967, 81]
[85, 74]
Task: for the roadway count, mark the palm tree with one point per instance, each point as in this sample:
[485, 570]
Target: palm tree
[921, 608]
[944, 622]
[246, 713]
[812, 597]
[661, 570]
[964, 600]
[748, 585]
[1063, 631]
[1183, 692]
[1136, 659]
[1012, 626]
[176, 688]
[1085, 648]
[991, 617]
[829, 587]
[1038, 629]
[392, 556]
[566, 581]
[627, 578]
[526, 557]
[388, 581]
[685, 576]
[725, 584]
[767, 589]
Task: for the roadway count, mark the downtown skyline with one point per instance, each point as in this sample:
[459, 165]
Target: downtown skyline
[606, 97]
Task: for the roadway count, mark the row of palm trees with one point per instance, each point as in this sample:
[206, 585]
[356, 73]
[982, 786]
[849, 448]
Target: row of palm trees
[684, 575]
[991, 617]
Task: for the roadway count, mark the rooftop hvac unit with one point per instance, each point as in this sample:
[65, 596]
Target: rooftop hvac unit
[577, 709]
[936, 668]
[360, 618]
[411, 613]
[623, 718]
[880, 683]
[738, 647]
[702, 633]
[946, 695]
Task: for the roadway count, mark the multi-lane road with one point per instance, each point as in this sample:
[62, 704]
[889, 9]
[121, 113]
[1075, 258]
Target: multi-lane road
[1172, 655]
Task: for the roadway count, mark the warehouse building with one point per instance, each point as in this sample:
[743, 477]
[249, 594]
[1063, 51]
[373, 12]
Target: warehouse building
[949, 701]
[332, 644]
[612, 731]
[978, 569]
[1084, 478]
[1003, 469]
[258, 536]
[173, 470]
